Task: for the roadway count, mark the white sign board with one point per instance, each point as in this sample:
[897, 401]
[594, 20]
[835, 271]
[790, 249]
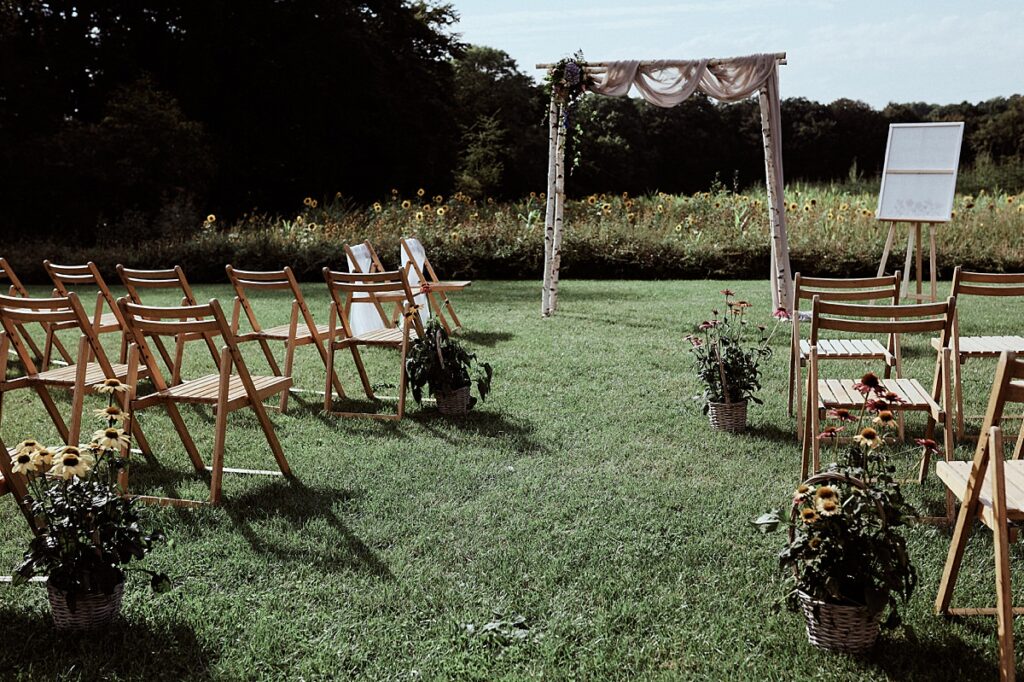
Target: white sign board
[919, 177]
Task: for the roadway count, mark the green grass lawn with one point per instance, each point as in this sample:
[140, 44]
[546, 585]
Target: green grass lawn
[583, 523]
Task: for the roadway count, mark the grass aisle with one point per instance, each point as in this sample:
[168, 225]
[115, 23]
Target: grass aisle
[584, 523]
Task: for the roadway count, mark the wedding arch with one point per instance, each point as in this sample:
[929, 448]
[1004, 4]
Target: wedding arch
[666, 83]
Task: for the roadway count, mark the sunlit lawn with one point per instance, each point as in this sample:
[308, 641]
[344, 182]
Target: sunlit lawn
[583, 523]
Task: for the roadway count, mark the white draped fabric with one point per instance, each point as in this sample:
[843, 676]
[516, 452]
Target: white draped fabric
[363, 315]
[420, 256]
[666, 84]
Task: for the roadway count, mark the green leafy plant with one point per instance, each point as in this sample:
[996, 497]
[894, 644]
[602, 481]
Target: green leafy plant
[727, 353]
[845, 543]
[88, 530]
[443, 365]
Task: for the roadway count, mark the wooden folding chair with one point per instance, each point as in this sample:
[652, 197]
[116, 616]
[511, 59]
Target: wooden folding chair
[349, 289]
[15, 485]
[966, 283]
[423, 278]
[171, 278]
[90, 369]
[993, 491]
[862, 289]
[363, 258]
[225, 391]
[827, 394]
[292, 334]
[65, 276]
[16, 288]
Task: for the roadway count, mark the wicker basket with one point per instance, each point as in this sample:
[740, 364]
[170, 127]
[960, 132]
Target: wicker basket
[731, 417]
[839, 628]
[92, 609]
[456, 402]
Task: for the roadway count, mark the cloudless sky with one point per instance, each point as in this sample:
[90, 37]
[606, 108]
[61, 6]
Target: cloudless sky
[938, 51]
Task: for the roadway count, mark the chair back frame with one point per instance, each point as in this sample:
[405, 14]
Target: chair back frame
[439, 301]
[16, 288]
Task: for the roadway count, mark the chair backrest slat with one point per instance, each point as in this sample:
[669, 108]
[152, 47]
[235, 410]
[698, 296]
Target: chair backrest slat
[875, 319]
[846, 289]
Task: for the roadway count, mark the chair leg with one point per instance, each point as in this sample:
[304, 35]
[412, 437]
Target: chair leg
[219, 433]
[363, 377]
[186, 439]
[1004, 602]
[792, 385]
[329, 365]
[51, 409]
[961, 427]
[78, 394]
[401, 374]
[799, 379]
[268, 430]
[289, 358]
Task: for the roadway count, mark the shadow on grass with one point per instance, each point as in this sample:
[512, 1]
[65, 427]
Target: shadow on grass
[483, 423]
[489, 339]
[944, 658]
[774, 433]
[127, 650]
[298, 504]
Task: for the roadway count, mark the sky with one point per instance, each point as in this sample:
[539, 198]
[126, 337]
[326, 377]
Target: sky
[936, 51]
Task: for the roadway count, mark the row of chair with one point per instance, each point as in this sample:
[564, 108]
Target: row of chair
[150, 332]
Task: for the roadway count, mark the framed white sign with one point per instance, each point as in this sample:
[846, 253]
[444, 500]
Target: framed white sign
[919, 177]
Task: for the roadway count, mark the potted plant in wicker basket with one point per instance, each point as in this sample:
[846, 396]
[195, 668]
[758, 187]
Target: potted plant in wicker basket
[727, 353]
[848, 559]
[88, 531]
[447, 369]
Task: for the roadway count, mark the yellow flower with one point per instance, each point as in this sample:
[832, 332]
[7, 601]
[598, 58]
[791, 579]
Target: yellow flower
[406, 204]
[24, 463]
[885, 419]
[72, 462]
[111, 386]
[438, 198]
[826, 492]
[441, 211]
[809, 515]
[420, 192]
[112, 412]
[111, 438]
[44, 458]
[591, 200]
[426, 207]
[211, 218]
[869, 437]
[661, 208]
[308, 201]
[828, 507]
[533, 195]
[394, 192]
[377, 207]
[312, 203]
[28, 446]
[419, 215]
[542, 196]
[630, 217]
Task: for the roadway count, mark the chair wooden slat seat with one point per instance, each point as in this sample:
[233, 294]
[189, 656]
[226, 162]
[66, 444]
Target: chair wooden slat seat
[281, 333]
[457, 285]
[868, 349]
[987, 346]
[956, 474]
[94, 374]
[203, 390]
[386, 337]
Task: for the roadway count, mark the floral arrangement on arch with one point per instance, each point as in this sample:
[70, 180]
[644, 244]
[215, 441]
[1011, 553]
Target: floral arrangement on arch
[567, 81]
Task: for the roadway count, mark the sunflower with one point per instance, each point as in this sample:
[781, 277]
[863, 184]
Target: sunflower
[808, 515]
[111, 386]
[308, 201]
[441, 211]
[420, 192]
[111, 412]
[29, 446]
[24, 463]
[438, 198]
[406, 204]
[419, 215]
[885, 419]
[591, 200]
[868, 436]
[72, 462]
[211, 218]
[377, 208]
[111, 438]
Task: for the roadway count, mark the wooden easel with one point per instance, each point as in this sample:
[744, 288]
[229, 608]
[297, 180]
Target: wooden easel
[915, 248]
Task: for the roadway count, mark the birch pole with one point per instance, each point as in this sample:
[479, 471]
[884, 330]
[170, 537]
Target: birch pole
[780, 275]
[556, 254]
[549, 209]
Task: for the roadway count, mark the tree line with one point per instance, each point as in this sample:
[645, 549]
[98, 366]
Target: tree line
[136, 118]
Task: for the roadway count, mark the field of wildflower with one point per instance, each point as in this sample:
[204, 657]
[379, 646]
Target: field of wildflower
[718, 233]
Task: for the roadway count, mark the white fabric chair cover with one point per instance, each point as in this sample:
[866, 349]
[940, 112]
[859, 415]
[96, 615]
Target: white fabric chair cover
[419, 255]
[363, 316]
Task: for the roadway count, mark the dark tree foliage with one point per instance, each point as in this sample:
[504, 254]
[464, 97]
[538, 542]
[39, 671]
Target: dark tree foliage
[134, 118]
